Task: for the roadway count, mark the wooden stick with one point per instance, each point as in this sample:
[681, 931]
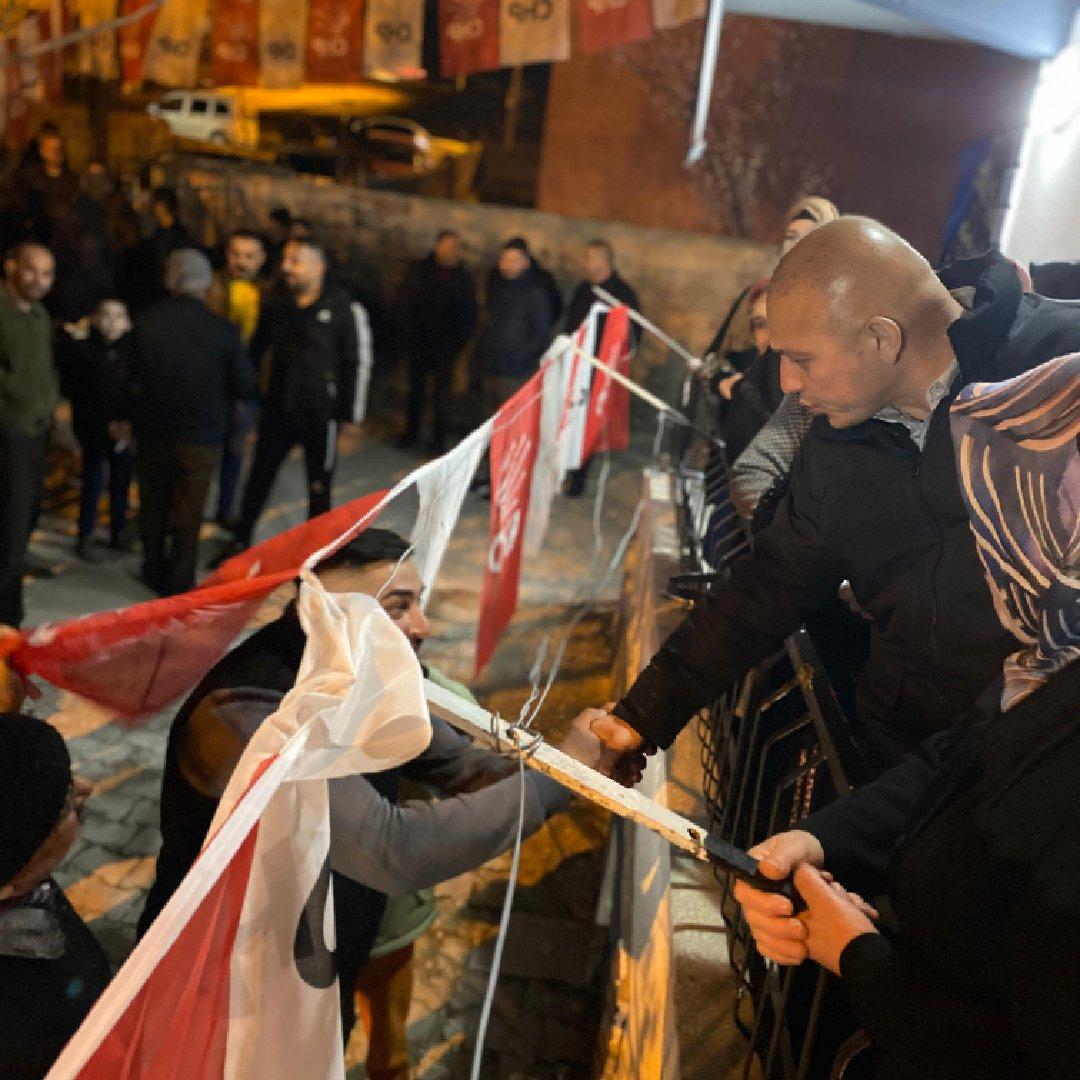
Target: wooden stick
[626, 802]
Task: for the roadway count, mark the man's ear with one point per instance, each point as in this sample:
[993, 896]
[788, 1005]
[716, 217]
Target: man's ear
[887, 338]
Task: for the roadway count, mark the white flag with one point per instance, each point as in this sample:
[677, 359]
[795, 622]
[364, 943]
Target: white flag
[579, 379]
[235, 978]
[546, 479]
[442, 490]
[172, 56]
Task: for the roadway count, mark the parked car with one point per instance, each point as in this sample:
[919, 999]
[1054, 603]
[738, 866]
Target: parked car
[206, 117]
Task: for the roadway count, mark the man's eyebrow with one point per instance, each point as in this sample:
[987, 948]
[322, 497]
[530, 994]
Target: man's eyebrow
[405, 594]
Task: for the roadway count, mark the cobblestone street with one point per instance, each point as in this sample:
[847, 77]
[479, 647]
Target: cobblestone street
[544, 1021]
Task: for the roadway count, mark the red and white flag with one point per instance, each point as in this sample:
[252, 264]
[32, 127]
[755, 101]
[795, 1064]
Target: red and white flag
[236, 979]
[514, 442]
[134, 40]
[468, 36]
[282, 43]
[235, 43]
[533, 31]
[335, 40]
[546, 476]
[604, 24]
[607, 422]
[576, 400]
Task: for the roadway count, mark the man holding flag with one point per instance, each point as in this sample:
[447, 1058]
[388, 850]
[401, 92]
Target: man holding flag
[377, 846]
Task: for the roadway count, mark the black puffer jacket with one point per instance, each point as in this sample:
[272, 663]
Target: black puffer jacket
[866, 505]
[316, 359]
[518, 327]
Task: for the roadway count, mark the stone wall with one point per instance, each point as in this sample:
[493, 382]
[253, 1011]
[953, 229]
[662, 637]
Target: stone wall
[686, 281]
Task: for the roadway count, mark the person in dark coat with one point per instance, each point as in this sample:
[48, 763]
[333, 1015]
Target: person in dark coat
[436, 312]
[377, 845]
[517, 325]
[873, 496]
[598, 269]
[89, 368]
[314, 347]
[974, 974]
[183, 371]
[52, 969]
[47, 186]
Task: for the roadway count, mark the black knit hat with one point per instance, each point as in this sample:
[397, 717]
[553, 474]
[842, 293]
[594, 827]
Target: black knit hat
[35, 775]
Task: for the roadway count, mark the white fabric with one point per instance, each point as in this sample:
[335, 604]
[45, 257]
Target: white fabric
[442, 491]
[357, 705]
[546, 476]
[172, 55]
[282, 43]
[572, 430]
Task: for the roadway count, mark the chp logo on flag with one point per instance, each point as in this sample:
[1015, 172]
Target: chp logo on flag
[514, 443]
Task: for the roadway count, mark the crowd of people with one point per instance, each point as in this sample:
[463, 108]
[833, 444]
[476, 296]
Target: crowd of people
[903, 445]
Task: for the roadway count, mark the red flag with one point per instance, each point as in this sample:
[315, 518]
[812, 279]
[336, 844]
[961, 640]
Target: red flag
[603, 24]
[134, 40]
[136, 661]
[607, 423]
[468, 36]
[236, 43]
[514, 442]
[335, 40]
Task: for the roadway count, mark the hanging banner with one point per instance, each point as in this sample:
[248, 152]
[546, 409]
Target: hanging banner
[533, 31]
[95, 56]
[604, 24]
[546, 474]
[335, 40]
[468, 36]
[392, 38]
[133, 40]
[607, 423]
[576, 397]
[235, 43]
[282, 43]
[172, 55]
[667, 14]
[514, 442]
[248, 938]
[442, 490]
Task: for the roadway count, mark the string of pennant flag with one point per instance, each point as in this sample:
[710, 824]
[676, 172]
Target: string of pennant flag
[278, 44]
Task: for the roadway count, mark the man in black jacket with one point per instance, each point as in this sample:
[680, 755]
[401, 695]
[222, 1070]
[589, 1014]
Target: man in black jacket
[314, 349]
[436, 317]
[518, 325]
[878, 348]
[183, 370]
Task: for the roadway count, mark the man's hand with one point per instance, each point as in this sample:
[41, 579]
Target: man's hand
[833, 917]
[348, 437]
[726, 387]
[14, 688]
[606, 744]
[780, 937]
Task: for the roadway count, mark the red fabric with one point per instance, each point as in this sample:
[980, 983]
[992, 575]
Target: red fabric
[468, 36]
[607, 423]
[16, 122]
[603, 24]
[235, 43]
[177, 1025]
[335, 41]
[52, 62]
[514, 444]
[137, 660]
[134, 39]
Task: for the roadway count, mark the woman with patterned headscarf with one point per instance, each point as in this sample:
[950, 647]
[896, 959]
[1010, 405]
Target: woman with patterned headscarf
[975, 843]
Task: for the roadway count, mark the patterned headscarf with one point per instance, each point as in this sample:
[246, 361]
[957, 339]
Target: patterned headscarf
[1019, 465]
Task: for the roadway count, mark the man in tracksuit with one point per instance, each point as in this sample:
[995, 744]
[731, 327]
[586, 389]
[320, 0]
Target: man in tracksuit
[313, 347]
[378, 845]
[877, 347]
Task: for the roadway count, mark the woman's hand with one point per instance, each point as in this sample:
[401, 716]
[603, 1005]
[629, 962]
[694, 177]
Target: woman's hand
[726, 386]
[833, 917]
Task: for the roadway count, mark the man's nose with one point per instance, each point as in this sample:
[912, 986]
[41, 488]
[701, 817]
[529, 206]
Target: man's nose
[417, 625]
[791, 381]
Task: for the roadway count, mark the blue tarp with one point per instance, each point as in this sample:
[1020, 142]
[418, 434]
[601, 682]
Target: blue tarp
[1036, 29]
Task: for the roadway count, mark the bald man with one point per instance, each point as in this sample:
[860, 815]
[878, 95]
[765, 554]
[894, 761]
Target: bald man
[877, 347]
[29, 392]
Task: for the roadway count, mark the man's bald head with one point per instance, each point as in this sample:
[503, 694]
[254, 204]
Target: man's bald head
[861, 319]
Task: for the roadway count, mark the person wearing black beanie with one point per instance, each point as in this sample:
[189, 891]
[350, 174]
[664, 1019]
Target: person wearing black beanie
[52, 969]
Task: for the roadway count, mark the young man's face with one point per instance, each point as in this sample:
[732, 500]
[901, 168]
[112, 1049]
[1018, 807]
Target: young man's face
[399, 591]
[513, 262]
[302, 267]
[244, 258]
[111, 320]
[57, 844]
[31, 272]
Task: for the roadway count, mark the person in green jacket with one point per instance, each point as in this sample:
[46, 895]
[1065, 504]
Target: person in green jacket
[29, 392]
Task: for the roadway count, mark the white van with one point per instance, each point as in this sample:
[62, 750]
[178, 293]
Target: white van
[206, 116]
